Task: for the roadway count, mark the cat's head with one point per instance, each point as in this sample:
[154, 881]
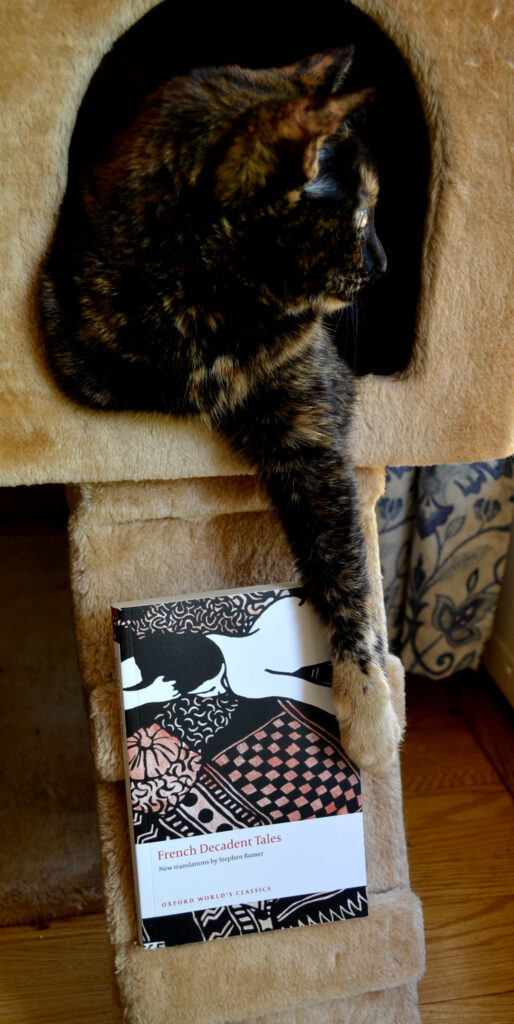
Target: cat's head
[268, 189]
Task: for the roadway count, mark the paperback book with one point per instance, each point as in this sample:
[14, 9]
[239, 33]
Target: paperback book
[244, 809]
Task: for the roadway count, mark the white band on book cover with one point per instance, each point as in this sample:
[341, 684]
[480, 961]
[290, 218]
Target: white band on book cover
[249, 865]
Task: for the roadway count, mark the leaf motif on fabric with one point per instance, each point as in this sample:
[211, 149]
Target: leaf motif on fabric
[454, 527]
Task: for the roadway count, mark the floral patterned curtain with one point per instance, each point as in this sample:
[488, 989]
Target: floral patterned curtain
[444, 533]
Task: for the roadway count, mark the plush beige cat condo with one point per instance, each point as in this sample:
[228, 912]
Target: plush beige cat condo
[161, 507]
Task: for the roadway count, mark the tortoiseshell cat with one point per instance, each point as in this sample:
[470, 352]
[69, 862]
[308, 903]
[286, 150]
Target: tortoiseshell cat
[189, 274]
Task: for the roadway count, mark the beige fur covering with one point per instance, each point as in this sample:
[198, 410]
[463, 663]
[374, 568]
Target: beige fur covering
[132, 541]
[455, 403]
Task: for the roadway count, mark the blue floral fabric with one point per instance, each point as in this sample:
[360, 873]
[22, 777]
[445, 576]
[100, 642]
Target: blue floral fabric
[444, 533]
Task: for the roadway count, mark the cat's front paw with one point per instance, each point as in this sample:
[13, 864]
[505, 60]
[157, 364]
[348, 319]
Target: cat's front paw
[370, 730]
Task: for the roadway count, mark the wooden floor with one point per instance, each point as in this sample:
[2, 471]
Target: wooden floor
[459, 819]
[460, 829]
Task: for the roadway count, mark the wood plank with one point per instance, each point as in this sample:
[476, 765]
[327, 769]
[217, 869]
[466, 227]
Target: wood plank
[469, 948]
[439, 753]
[489, 718]
[460, 832]
[58, 975]
[497, 1009]
[461, 844]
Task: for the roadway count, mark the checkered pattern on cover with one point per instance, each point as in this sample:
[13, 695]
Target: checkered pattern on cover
[290, 768]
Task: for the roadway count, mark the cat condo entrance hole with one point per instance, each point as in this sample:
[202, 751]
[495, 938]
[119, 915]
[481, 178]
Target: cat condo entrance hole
[377, 334]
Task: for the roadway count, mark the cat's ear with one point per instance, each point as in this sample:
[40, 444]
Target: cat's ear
[323, 73]
[281, 144]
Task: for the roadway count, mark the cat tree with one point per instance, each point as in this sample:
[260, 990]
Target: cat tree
[160, 507]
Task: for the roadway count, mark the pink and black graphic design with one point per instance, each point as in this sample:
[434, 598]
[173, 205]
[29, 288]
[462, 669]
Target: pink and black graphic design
[292, 767]
[208, 754]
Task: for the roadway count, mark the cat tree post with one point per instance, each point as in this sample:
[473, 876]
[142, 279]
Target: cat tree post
[133, 540]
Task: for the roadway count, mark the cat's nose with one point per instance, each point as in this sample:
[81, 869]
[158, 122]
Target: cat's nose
[375, 259]
[380, 257]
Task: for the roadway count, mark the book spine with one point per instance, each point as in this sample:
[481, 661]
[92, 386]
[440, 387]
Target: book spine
[124, 648]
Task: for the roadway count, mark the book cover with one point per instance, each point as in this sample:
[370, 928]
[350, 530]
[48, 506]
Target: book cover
[245, 811]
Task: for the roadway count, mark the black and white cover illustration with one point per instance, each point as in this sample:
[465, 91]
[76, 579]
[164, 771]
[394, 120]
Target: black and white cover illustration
[246, 810]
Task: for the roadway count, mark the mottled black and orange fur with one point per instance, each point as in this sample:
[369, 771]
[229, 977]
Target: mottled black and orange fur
[190, 273]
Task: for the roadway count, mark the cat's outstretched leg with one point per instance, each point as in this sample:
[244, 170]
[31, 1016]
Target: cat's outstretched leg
[295, 433]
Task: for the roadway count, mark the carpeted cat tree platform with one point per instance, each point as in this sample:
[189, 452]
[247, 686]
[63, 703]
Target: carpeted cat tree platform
[161, 507]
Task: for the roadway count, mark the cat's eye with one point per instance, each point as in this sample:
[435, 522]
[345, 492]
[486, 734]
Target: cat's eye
[361, 219]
